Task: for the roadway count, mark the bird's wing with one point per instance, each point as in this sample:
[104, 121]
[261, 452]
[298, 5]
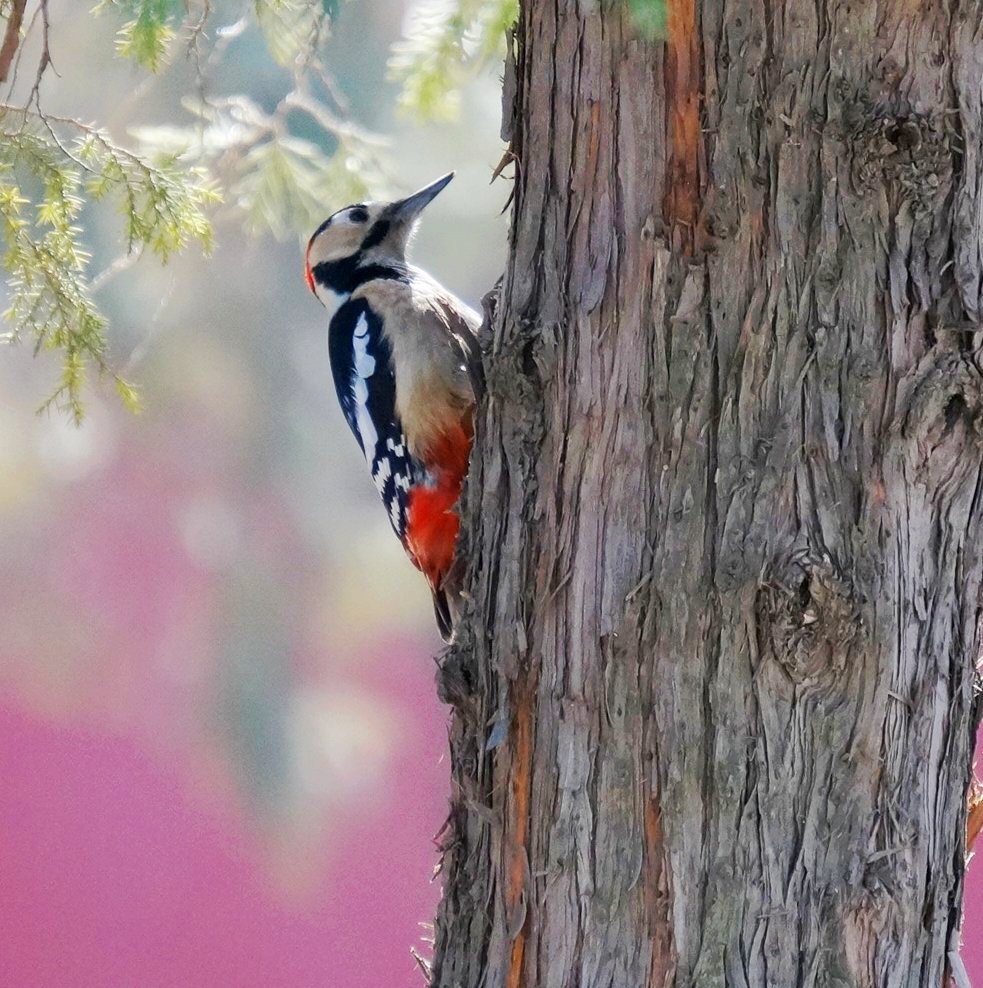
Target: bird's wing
[363, 374]
[462, 323]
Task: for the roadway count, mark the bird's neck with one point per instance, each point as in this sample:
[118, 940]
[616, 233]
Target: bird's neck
[344, 276]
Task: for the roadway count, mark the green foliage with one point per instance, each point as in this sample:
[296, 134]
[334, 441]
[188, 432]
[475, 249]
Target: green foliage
[291, 28]
[53, 170]
[44, 256]
[289, 178]
[280, 171]
[447, 41]
[148, 30]
[163, 200]
[275, 182]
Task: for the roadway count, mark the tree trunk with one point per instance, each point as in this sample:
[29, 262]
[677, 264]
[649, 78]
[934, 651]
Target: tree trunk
[714, 703]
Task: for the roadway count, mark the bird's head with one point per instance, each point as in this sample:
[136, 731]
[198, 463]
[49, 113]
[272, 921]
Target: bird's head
[364, 234]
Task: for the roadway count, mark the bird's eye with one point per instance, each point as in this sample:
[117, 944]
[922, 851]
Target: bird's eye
[358, 214]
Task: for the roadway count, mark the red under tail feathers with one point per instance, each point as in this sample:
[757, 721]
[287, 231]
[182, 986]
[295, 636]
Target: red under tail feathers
[432, 520]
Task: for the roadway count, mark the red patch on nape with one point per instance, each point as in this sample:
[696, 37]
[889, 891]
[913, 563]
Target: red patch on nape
[308, 273]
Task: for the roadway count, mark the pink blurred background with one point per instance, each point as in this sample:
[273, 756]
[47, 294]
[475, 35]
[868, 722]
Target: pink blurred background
[221, 754]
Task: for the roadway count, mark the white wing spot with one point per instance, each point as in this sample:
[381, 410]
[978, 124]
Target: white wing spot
[383, 471]
[364, 365]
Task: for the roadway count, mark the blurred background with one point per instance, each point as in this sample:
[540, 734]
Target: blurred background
[221, 754]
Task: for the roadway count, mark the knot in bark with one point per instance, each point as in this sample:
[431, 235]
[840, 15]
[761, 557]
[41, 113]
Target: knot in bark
[911, 154]
[808, 621]
[941, 420]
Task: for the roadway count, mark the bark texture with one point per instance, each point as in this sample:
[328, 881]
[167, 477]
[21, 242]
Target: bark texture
[713, 709]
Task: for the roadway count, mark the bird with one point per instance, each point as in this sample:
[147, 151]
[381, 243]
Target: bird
[406, 365]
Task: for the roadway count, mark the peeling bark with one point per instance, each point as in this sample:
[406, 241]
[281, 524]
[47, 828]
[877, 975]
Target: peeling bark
[713, 706]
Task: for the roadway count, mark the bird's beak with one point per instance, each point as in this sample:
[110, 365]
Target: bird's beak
[409, 208]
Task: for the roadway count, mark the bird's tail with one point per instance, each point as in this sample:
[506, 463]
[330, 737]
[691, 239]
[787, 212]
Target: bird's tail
[442, 612]
[448, 599]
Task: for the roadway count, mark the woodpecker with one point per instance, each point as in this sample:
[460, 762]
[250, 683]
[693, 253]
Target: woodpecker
[405, 360]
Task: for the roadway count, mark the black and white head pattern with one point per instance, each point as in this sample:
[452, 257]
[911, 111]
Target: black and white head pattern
[361, 363]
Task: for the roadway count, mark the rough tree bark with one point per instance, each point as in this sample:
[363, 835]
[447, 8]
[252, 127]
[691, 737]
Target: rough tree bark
[713, 711]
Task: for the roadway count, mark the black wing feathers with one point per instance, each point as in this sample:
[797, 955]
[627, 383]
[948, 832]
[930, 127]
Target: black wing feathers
[361, 364]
